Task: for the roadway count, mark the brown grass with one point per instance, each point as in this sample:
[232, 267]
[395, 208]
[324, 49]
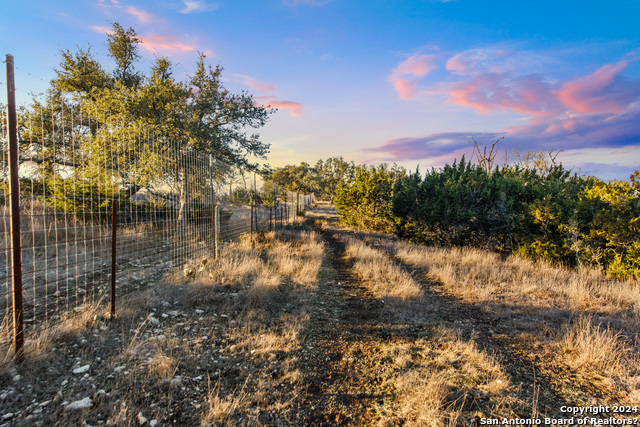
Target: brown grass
[479, 276]
[435, 378]
[592, 346]
[543, 298]
[384, 277]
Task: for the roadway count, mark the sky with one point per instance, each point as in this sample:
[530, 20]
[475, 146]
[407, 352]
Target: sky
[406, 82]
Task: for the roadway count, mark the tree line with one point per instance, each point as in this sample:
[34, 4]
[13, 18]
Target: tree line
[534, 208]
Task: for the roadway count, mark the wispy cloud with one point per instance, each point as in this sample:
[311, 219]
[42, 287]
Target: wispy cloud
[500, 58]
[166, 44]
[405, 76]
[197, 6]
[529, 94]
[429, 146]
[101, 29]
[256, 84]
[142, 16]
[295, 108]
[603, 91]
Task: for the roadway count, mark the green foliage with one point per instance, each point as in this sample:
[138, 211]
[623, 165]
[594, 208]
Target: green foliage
[88, 200]
[141, 131]
[542, 212]
[613, 235]
[123, 48]
[366, 201]
[80, 73]
[331, 172]
[460, 205]
[240, 196]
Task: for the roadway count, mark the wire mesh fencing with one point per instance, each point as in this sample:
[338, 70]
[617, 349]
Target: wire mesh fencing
[107, 206]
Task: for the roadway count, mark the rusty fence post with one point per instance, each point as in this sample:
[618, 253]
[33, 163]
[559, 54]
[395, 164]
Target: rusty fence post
[217, 232]
[114, 235]
[14, 202]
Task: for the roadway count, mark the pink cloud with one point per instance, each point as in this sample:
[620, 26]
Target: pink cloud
[430, 146]
[142, 16]
[295, 108]
[404, 76]
[406, 88]
[603, 91]
[256, 84]
[481, 60]
[417, 65]
[165, 43]
[496, 91]
[101, 29]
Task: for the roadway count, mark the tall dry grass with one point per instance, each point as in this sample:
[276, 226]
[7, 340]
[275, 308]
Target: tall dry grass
[437, 379]
[383, 276]
[544, 298]
[481, 277]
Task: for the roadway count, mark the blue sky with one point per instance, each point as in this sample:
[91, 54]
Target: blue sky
[409, 82]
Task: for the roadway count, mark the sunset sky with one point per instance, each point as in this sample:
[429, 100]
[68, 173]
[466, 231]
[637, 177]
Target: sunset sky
[409, 82]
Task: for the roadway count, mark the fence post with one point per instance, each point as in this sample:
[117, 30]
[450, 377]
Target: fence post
[14, 201]
[217, 232]
[251, 226]
[213, 201]
[114, 234]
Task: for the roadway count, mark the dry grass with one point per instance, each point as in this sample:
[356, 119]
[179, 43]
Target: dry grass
[275, 288]
[41, 339]
[543, 298]
[436, 379]
[592, 346]
[384, 277]
[478, 276]
[220, 410]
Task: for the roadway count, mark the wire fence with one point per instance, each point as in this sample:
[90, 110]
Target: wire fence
[107, 208]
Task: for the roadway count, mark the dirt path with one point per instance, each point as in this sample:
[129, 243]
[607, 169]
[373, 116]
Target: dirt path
[344, 362]
[342, 339]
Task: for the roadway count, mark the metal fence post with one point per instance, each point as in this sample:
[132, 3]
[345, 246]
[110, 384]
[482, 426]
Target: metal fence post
[213, 202]
[14, 201]
[114, 234]
[217, 232]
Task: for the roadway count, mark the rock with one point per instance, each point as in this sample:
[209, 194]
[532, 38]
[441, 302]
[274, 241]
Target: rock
[153, 423]
[199, 311]
[82, 369]
[7, 416]
[153, 320]
[120, 368]
[79, 404]
[141, 418]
